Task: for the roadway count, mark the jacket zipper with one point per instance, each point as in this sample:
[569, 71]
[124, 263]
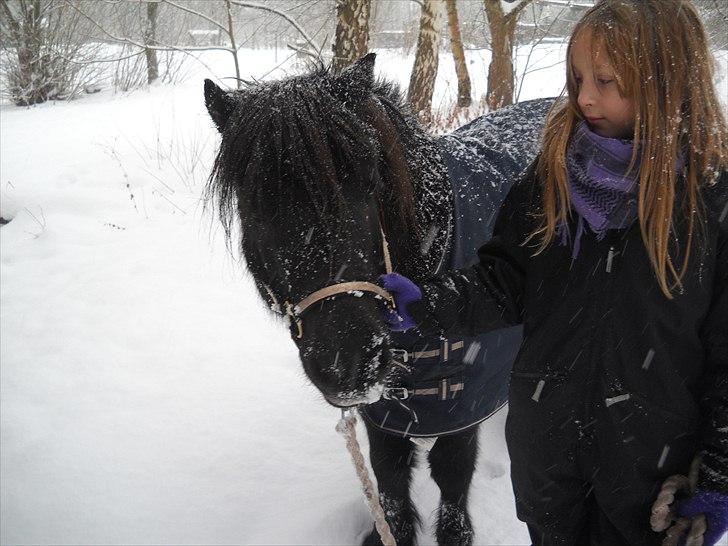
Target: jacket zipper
[610, 257]
[592, 379]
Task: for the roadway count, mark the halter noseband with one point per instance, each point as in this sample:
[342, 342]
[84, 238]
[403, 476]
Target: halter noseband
[295, 312]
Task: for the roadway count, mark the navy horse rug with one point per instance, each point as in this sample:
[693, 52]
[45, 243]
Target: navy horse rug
[453, 384]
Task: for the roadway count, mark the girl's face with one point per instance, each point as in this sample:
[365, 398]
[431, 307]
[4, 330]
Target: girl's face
[608, 113]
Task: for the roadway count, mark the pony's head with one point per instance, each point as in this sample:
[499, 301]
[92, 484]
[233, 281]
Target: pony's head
[303, 168]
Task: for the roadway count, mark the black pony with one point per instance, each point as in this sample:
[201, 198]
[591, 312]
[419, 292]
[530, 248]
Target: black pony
[323, 173]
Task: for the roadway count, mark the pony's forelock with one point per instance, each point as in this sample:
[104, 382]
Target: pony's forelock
[289, 136]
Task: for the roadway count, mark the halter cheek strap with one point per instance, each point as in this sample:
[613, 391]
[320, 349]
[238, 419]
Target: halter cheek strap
[385, 251]
[352, 288]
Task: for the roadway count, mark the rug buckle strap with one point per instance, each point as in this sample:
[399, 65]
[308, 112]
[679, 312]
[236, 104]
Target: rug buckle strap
[443, 389]
[401, 354]
[396, 393]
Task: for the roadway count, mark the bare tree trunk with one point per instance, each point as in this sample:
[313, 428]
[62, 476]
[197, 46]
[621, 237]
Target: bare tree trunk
[424, 71]
[502, 25]
[150, 37]
[456, 44]
[30, 60]
[32, 82]
[352, 32]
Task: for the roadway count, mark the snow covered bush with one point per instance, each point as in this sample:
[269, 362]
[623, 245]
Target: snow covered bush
[43, 56]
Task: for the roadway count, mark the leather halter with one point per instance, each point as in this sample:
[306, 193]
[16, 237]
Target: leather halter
[295, 312]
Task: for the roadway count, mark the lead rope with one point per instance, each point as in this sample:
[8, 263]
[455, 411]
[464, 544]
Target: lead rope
[347, 428]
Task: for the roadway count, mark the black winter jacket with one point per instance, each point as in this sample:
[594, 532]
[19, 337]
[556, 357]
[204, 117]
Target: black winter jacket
[602, 345]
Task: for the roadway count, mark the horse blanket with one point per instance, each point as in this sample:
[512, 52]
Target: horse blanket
[454, 384]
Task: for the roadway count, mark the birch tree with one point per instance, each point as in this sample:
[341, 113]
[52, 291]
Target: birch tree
[424, 71]
[352, 32]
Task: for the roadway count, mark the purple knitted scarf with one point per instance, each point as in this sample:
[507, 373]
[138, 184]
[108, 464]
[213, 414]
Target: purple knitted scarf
[603, 193]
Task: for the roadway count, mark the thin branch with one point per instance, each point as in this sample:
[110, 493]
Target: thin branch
[194, 12]
[231, 35]
[323, 44]
[95, 61]
[516, 12]
[129, 41]
[12, 22]
[187, 50]
[724, 16]
[276, 67]
[305, 3]
[316, 55]
[533, 47]
[287, 17]
[532, 70]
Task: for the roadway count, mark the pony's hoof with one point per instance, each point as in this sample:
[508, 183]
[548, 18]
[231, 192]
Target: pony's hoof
[454, 527]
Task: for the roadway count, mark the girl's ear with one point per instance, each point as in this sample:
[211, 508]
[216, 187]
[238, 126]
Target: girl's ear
[220, 104]
[357, 81]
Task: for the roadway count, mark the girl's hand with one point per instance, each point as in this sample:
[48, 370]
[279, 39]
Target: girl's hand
[404, 292]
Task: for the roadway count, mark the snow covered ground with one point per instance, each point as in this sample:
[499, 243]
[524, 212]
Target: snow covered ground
[146, 395]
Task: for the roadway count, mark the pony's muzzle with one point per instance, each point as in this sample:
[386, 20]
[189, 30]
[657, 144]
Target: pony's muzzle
[344, 402]
[349, 400]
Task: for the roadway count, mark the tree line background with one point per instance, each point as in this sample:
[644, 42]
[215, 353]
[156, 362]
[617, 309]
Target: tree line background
[59, 49]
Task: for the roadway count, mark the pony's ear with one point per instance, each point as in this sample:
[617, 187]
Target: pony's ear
[220, 104]
[358, 79]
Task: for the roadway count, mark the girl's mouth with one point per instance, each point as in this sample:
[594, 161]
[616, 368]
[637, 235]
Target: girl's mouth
[594, 120]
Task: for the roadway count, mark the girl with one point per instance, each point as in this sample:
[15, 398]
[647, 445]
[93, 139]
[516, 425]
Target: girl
[613, 253]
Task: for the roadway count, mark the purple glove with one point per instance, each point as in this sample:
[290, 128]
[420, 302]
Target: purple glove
[404, 292]
[714, 506]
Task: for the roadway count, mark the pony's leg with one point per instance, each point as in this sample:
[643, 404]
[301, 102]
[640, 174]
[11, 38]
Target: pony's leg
[452, 463]
[392, 460]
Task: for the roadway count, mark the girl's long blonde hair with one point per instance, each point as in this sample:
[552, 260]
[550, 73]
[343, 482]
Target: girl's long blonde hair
[659, 51]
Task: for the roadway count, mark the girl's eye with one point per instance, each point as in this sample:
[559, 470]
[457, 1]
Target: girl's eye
[604, 81]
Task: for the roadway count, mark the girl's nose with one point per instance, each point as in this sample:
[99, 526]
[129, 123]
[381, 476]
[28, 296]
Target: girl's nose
[586, 95]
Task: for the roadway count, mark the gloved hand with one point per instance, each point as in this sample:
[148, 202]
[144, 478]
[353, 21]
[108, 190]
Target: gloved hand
[714, 506]
[404, 292]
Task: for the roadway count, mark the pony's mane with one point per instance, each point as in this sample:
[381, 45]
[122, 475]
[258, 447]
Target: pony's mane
[307, 134]
[408, 152]
[287, 133]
